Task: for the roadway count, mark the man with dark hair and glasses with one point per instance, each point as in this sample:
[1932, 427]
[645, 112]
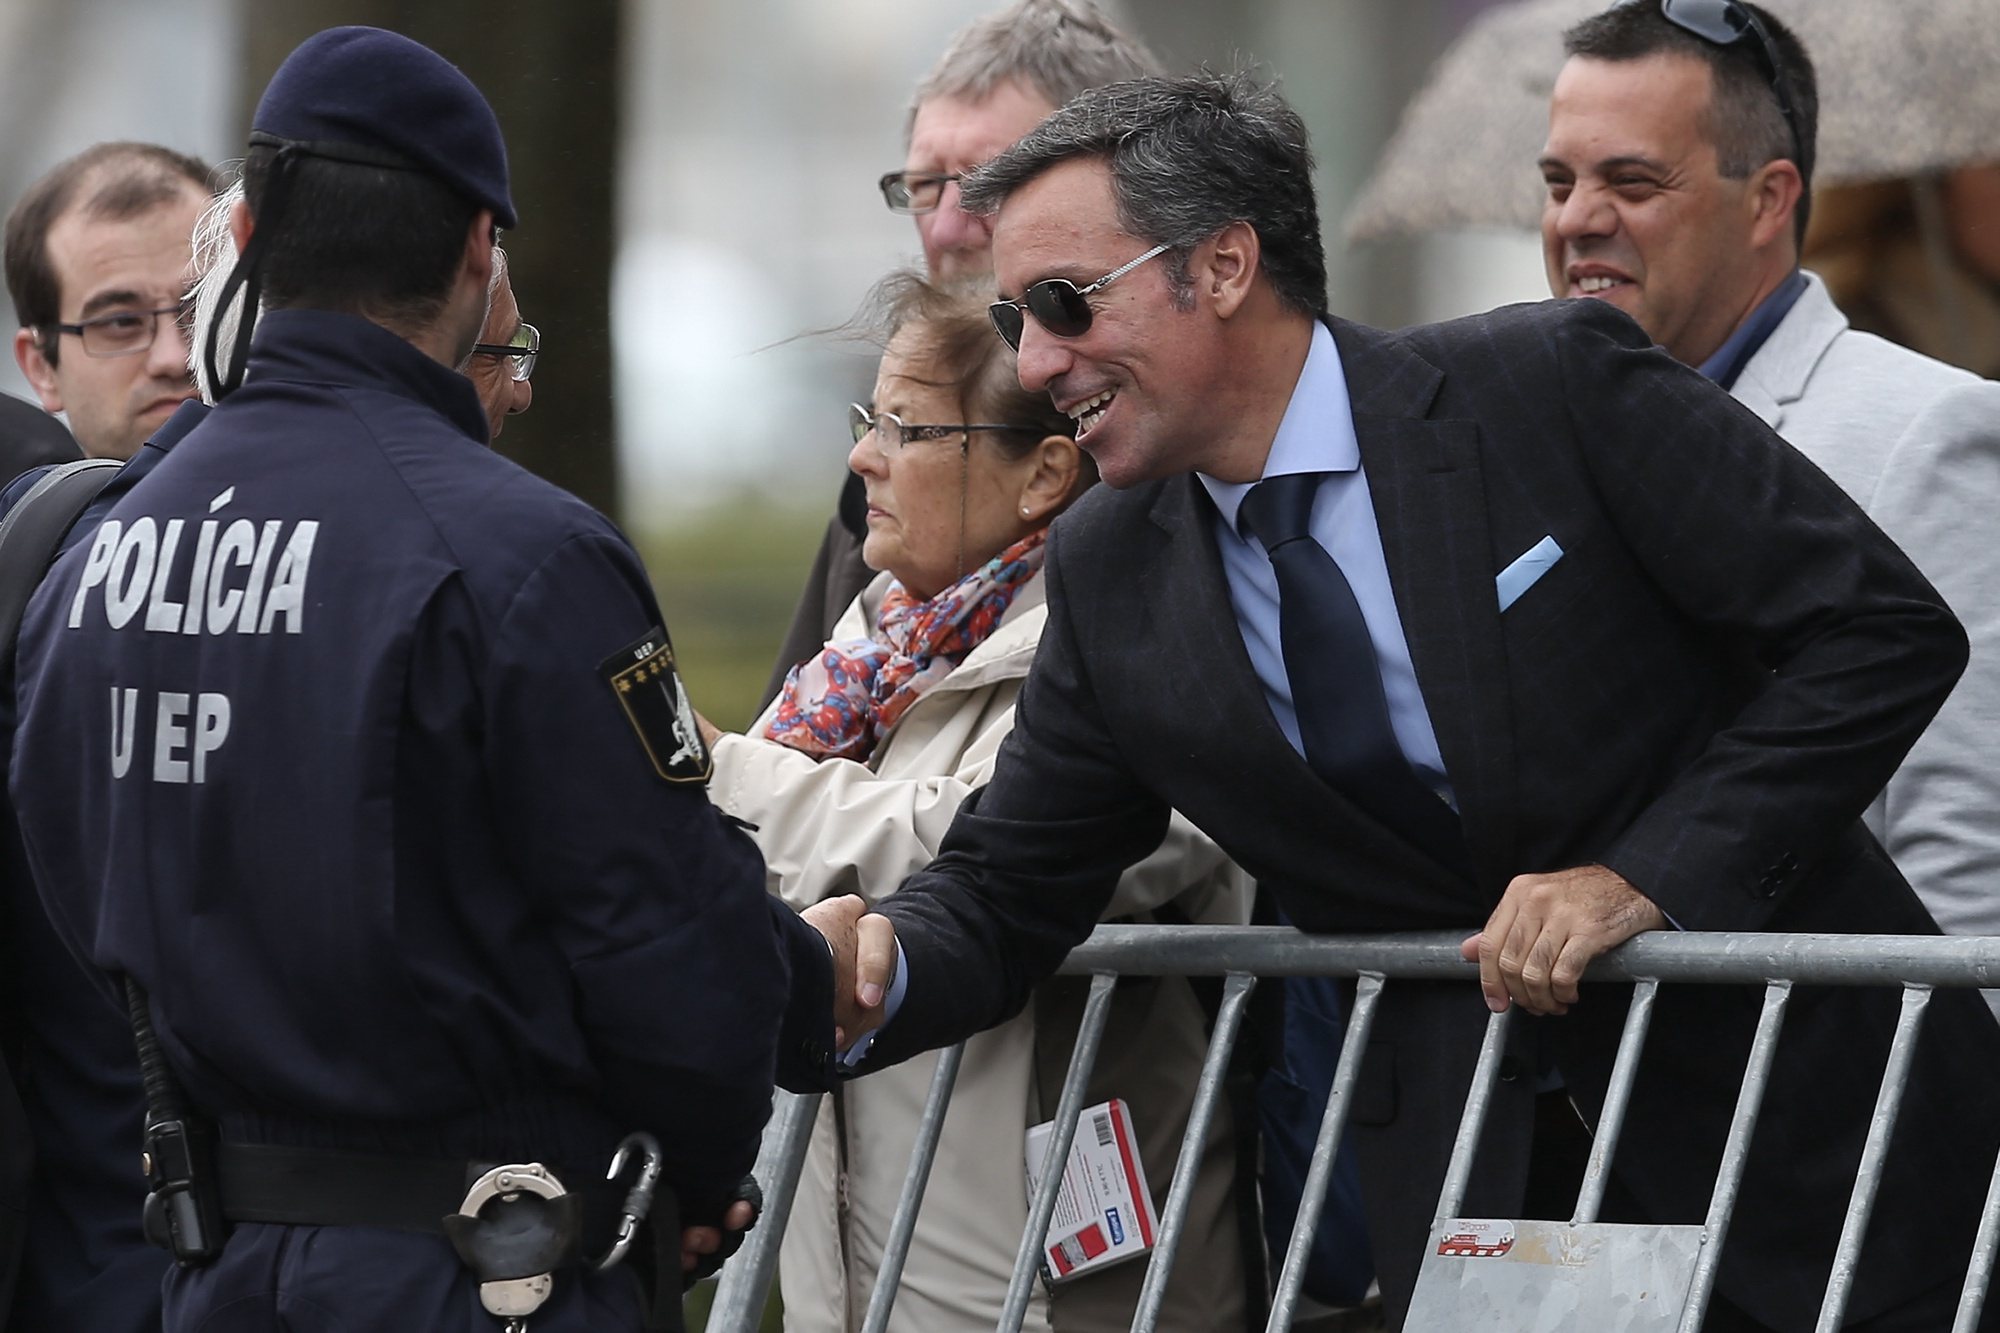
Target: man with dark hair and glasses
[999, 76]
[1679, 168]
[1511, 624]
[95, 257]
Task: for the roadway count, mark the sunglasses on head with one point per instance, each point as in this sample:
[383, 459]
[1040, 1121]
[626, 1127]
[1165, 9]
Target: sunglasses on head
[1057, 304]
[1727, 23]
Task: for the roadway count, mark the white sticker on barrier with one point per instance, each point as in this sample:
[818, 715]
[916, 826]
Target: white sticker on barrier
[1477, 1238]
[1525, 1275]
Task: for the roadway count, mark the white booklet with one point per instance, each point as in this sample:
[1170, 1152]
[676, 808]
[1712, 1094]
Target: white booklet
[1104, 1213]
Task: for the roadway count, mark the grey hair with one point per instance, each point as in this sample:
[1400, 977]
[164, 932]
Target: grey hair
[1188, 156]
[214, 257]
[1058, 48]
[493, 281]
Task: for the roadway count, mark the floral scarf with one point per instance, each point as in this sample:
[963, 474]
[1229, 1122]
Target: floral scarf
[841, 702]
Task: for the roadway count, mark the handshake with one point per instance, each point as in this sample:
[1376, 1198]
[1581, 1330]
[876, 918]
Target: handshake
[865, 959]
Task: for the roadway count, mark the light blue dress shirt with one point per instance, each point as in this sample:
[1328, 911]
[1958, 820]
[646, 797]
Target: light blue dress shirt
[1317, 435]
[892, 1000]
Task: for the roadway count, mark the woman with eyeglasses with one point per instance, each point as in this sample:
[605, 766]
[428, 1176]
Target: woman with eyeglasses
[850, 780]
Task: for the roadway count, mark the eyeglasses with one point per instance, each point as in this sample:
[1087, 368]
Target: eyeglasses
[521, 352]
[124, 332]
[1057, 304]
[1727, 23]
[892, 432]
[915, 191]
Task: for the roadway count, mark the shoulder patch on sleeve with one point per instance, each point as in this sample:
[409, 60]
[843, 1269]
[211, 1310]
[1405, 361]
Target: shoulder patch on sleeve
[649, 689]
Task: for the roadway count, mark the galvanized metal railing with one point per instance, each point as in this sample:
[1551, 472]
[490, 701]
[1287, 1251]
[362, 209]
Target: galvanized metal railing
[1242, 954]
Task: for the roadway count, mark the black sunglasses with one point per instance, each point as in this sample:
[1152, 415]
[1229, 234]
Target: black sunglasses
[1727, 23]
[1057, 304]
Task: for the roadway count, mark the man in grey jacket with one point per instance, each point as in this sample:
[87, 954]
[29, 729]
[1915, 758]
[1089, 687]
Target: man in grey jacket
[1679, 169]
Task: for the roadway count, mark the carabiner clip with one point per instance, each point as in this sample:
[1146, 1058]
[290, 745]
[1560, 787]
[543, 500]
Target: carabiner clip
[639, 1199]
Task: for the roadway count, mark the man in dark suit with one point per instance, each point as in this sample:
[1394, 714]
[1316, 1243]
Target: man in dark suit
[1615, 658]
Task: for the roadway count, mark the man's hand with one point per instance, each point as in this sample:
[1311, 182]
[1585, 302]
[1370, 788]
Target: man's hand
[864, 962]
[1546, 930]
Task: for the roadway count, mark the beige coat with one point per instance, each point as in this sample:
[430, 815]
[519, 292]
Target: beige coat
[836, 826]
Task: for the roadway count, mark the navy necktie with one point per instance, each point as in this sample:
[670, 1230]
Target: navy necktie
[1336, 684]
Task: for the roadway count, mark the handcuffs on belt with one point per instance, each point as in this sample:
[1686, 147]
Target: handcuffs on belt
[516, 1247]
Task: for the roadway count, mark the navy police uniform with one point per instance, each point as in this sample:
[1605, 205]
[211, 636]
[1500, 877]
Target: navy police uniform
[362, 751]
[350, 788]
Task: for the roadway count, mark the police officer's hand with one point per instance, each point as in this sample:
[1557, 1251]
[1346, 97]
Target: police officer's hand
[697, 1243]
[1546, 930]
[864, 962]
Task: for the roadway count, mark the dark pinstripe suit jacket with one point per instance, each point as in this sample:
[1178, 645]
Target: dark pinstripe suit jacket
[1703, 693]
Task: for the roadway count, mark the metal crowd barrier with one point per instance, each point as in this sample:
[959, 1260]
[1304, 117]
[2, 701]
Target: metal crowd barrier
[1242, 954]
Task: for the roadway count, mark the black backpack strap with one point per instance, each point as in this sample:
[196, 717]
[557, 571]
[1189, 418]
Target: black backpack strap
[35, 526]
[28, 538]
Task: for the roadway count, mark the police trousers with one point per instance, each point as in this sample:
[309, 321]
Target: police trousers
[280, 1279]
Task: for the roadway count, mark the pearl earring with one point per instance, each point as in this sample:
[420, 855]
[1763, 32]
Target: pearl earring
[1026, 512]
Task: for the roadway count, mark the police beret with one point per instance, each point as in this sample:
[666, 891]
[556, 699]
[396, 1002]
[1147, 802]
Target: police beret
[365, 95]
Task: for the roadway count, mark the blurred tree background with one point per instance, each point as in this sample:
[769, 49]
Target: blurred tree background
[552, 75]
[697, 176]
[726, 573]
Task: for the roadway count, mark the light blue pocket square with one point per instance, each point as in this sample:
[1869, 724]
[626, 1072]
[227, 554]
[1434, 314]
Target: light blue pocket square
[1520, 576]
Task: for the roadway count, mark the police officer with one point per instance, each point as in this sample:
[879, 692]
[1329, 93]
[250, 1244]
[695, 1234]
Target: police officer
[361, 753]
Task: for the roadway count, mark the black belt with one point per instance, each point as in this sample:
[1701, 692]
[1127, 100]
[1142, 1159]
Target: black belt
[263, 1182]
